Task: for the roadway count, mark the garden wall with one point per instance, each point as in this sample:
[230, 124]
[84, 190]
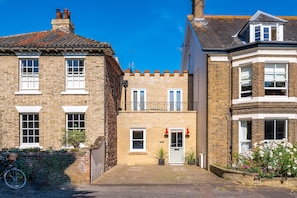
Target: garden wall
[45, 168]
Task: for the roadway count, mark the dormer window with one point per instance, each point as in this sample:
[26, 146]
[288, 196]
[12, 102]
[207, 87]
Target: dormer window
[262, 27]
[265, 33]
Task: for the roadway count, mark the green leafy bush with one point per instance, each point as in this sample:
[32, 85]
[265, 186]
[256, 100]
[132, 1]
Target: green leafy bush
[75, 137]
[269, 159]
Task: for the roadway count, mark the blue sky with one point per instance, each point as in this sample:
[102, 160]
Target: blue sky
[148, 33]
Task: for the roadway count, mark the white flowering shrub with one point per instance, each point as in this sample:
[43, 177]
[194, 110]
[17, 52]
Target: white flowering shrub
[270, 159]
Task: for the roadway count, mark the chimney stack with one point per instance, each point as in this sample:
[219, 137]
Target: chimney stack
[62, 21]
[198, 9]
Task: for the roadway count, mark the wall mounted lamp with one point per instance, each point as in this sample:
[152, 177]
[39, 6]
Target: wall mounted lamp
[166, 133]
[187, 133]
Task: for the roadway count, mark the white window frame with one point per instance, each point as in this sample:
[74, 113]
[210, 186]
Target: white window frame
[274, 79]
[132, 149]
[243, 136]
[275, 128]
[29, 110]
[173, 103]
[261, 32]
[246, 78]
[75, 74]
[74, 110]
[138, 101]
[29, 74]
[34, 128]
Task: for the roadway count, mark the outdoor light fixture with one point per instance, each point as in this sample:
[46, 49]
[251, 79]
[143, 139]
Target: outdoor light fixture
[166, 133]
[187, 133]
[125, 85]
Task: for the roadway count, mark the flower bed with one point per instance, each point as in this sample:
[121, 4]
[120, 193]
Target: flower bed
[272, 163]
[269, 159]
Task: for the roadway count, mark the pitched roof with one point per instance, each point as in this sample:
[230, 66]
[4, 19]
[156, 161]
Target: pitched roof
[220, 32]
[52, 40]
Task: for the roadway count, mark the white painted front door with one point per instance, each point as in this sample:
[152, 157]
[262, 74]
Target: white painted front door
[176, 155]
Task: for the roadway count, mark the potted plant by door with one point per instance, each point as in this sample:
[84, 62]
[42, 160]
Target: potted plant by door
[161, 156]
[191, 157]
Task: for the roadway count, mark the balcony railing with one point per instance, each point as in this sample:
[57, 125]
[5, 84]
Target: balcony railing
[157, 106]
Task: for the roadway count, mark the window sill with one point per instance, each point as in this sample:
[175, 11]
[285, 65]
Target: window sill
[75, 92]
[30, 146]
[265, 99]
[137, 153]
[81, 145]
[28, 93]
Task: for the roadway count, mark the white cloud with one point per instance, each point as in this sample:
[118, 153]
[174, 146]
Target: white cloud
[180, 29]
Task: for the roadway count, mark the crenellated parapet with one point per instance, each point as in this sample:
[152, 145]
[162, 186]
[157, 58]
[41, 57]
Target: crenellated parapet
[156, 73]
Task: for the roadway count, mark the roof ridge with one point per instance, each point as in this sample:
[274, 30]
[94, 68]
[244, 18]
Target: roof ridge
[226, 16]
[22, 34]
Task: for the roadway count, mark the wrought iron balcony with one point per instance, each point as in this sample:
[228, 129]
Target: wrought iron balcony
[157, 106]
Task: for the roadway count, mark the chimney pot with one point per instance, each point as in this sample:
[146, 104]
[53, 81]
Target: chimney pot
[62, 23]
[58, 14]
[66, 14]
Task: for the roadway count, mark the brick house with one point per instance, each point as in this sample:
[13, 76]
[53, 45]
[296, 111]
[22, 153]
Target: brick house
[156, 112]
[55, 81]
[244, 79]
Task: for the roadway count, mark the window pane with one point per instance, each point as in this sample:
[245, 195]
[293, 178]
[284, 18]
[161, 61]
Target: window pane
[280, 129]
[70, 117]
[269, 130]
[257, 33]
[249, 130]
[137, 144]
[137, 135]
[30, 63]
[178, 100]
[280, 84]
[273, 33]
[266, 34]
[82, 116]
[180, 139]
[135, 100]
[24, 124]
[141, 100]
[171, 98]
[173, 140]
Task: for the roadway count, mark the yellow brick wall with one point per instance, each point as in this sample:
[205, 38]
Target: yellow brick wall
[155, 124]
[156, 86]
[219, 102]
[155, 121]
[51, 84]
